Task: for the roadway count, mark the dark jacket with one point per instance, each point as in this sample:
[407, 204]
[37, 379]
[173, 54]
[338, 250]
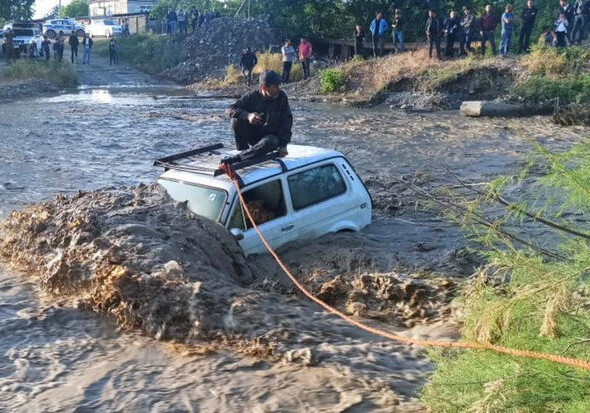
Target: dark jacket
[452, 25]
[468, 23]
[277, 118]
[398, 24]
[359, 37]
[488, 22]
[528, 16]
[248, 60]
[73, 41]
[433, 27]
[568, 10]
[90, 42]
[579, 8]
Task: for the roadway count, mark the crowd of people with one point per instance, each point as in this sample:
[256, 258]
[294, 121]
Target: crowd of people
[571, 27]
[179, 20]
[289, 56]
[57, 47]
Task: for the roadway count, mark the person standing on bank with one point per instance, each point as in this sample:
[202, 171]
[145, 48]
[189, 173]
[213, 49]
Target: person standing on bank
[528, 16]
[359, 40]
[507, 27]
[74, 42]
[487, 26]
[467, 31]
[305, 51]
[247, 63]
[289, 57]
[261, 120]
[451, 27]
[87, 47]
[398, 32]
[378, 30]
[45, 46]
[433, 32]
[578, 29]
[113, 52]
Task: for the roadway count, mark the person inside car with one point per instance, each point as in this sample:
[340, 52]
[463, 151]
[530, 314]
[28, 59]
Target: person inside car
[261, 120]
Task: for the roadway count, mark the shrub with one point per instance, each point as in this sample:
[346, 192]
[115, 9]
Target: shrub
[333, 81]
[61, 74]
[554, 62]
[559, 91]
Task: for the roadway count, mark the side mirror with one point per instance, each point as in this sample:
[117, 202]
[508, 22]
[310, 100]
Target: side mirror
[238, 234]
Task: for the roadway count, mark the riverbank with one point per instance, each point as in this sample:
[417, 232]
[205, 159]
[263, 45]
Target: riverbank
[26, 78]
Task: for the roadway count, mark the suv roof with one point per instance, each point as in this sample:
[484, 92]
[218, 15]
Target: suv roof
[299, 156]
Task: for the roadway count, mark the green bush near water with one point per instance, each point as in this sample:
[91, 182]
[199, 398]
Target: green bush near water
[61, 74]
[333, 81]
[558, 91]
[152, 53]
[526, 300]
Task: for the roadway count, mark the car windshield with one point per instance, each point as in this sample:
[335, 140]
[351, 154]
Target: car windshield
[110, 23]
[23, 32]
[204, 201]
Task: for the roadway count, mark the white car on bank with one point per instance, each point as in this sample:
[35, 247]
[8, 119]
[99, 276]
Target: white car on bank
[62, 27]
[22, 38]
[104, 27]
[309, 193]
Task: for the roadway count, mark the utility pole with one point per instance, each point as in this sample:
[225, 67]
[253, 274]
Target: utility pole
[59, 8]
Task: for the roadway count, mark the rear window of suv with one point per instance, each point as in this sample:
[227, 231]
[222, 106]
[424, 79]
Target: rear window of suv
[315, 185]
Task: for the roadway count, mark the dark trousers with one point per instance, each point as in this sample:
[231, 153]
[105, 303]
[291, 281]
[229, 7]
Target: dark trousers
[465, 42]
[450, 44]
[47, 54]
[74, 53]
[524, 39]
[251, 142]
[287, 71]
[432, 43]
[358, 48]
[488, 36]
[578, 30]
[561, 36]
[113, 57]
[378, 46]
[247, 75]
[305, 67]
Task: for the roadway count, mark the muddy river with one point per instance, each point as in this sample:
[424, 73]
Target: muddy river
[58, 358]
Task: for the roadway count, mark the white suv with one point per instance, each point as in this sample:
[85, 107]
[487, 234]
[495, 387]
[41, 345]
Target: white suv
[104, 27]
[309, 193]
[22, 38]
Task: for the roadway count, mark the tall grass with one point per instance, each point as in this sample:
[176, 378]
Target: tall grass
[152, 53]
[61, 74]
[526, 299]
[266, 61]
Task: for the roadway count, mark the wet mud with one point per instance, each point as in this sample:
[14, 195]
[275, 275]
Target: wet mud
[258, 345]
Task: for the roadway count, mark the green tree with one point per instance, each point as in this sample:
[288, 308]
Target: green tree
[77, 8]
[16, 9]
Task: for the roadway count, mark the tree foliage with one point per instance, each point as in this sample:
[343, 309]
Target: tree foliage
[16, 9]
[337, 18]
[77, 8]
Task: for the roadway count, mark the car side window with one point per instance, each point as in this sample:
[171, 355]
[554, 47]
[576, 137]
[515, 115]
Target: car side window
[315, 185]
[266, 202]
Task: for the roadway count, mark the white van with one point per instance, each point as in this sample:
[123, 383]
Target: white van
[307, 194]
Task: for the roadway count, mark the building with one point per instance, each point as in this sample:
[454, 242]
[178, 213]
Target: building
[112, 7]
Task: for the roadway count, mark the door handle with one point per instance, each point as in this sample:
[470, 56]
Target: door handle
[287, 228]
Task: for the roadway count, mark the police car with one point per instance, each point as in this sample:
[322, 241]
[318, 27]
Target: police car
[62, 27]
[309, 193]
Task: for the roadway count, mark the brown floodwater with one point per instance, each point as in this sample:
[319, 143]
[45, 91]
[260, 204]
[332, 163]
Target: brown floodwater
[55, 357]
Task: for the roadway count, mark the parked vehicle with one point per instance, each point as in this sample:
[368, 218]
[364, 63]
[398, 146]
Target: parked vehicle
[62, 27]
[21, 25]
[22, 38]
[309, 193]
[104, 27]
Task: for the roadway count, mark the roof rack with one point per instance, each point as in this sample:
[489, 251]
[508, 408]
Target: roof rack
[170, 162]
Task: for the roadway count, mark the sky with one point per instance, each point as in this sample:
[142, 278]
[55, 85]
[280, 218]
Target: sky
[42, 7]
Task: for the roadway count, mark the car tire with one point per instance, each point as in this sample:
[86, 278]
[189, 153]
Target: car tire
[80, 33]
[50, 33]
[61, 33]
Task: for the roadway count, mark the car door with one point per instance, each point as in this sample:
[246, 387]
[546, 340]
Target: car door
[322, 200]
[267, 203]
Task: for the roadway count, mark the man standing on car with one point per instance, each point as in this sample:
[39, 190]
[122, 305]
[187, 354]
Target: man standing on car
[261, 120]
[74, 42]
[87, 46]
[528, 16]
